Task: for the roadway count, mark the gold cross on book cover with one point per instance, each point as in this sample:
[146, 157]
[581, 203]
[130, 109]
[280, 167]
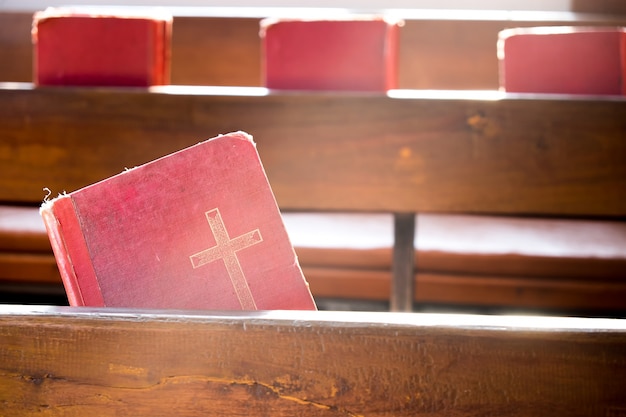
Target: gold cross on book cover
[226, 250]
[127, 241]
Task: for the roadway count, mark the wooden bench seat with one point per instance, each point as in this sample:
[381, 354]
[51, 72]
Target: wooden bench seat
[21, 230]
[548, 264]
[557, 248]
[544, 264]
[25, 252]
[566, 264]
[457, 243]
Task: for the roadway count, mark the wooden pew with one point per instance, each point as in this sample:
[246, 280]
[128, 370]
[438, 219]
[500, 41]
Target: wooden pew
[108, 362]
[410, 152]
[215, 46]
[438, 50]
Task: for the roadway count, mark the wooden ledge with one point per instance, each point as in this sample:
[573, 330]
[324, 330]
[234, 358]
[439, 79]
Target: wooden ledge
[136, 362]
[12, 314]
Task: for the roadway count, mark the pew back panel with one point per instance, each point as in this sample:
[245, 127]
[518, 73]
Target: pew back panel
[132, 362]
[517, 155]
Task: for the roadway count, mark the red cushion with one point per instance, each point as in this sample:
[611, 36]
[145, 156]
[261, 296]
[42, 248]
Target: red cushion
[351, 54]
[101, 49]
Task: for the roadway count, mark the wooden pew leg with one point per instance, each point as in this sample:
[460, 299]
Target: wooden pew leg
[403, 280]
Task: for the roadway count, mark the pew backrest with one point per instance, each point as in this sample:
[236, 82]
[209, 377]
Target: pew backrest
[64, 361]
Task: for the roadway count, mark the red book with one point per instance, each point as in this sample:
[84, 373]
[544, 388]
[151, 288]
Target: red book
[197, 229]
[357, 54]
[563, 60]
[91, 47]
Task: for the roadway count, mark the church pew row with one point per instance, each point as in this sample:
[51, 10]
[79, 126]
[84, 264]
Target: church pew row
[109, 362]
[213, 46]
[445, 158]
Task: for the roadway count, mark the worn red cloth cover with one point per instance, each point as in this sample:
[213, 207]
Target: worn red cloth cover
[563, 60]
[197, 229]
[357, 54]
[88, 47]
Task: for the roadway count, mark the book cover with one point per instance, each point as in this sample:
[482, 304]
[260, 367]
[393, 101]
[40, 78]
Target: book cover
[563, 60]
[92, 46]
[349, 54]
[196, 229]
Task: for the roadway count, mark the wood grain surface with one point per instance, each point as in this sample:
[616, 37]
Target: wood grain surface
[77, 362]
[440, 152]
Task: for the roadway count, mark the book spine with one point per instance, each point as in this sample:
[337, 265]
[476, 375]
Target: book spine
[71, 252]
[68, 276]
